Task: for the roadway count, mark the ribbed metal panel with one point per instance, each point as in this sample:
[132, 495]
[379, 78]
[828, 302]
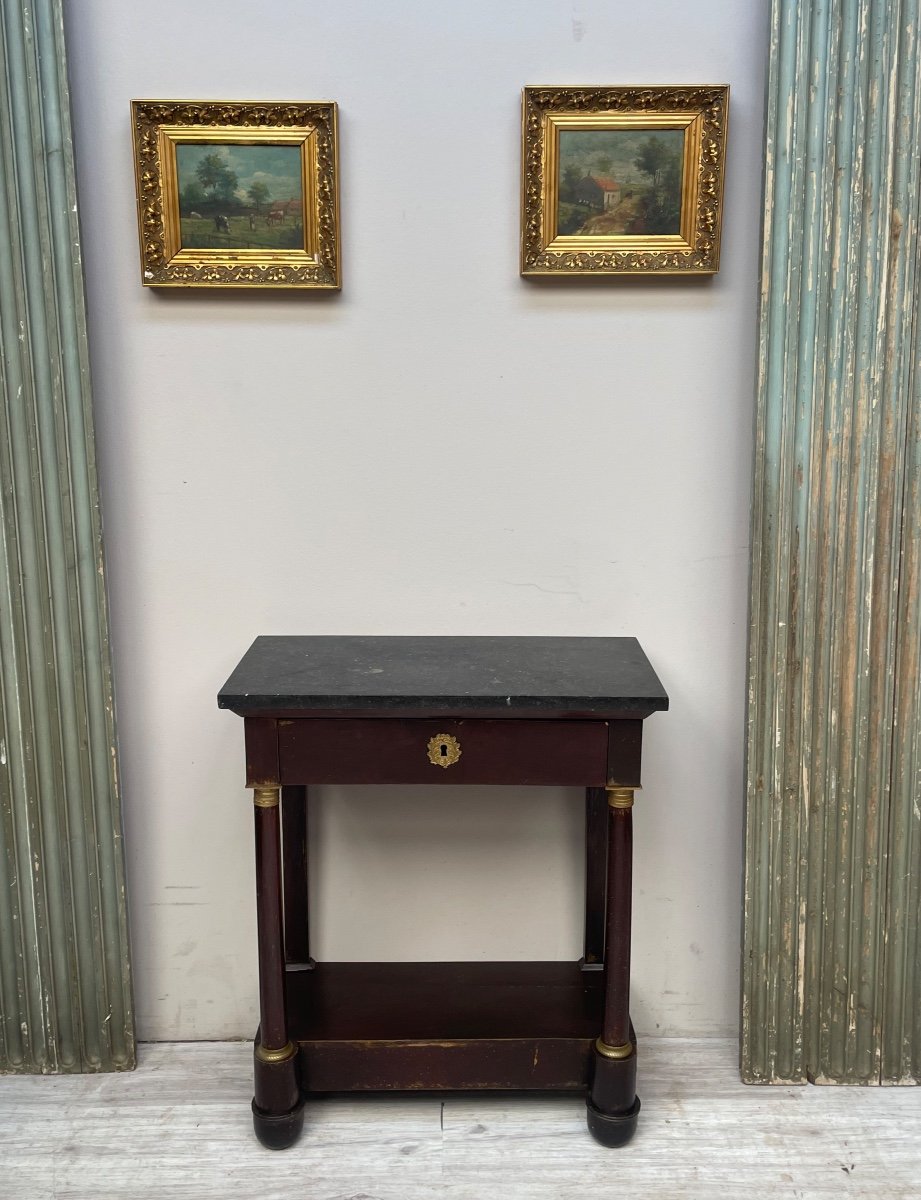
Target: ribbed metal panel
[65, 1001]
[834, 408]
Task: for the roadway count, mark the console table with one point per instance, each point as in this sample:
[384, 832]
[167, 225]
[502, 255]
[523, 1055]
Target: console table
[435, 710]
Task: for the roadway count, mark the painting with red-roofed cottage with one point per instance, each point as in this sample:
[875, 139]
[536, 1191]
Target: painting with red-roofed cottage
[620, 181]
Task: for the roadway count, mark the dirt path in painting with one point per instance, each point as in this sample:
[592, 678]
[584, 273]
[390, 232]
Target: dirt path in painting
[626, 218]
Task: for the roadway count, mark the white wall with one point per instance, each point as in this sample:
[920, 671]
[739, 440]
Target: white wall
[443, 448]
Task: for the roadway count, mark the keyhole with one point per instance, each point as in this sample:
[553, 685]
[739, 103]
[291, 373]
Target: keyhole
[444, 750]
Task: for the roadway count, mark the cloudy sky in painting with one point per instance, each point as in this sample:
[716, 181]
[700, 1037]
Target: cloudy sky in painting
[612, 151]
[278, 167]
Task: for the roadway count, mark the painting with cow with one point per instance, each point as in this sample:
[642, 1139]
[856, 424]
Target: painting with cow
[240, 197]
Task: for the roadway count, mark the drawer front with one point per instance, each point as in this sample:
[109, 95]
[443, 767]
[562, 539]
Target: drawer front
[439, 751]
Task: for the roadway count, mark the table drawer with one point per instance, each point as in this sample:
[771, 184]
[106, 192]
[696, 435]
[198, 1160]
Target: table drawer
[318, 750]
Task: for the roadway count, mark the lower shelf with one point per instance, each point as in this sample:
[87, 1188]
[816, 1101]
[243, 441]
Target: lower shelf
[444, 1026]
[514, 1064]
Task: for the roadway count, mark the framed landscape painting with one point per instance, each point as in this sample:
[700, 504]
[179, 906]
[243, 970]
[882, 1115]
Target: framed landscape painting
[237, 194]
[622, 180]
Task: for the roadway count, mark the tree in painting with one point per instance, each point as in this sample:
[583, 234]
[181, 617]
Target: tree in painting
[259, 195]
[662, 167]
[218, 180]
[192, 197]
[651, 160]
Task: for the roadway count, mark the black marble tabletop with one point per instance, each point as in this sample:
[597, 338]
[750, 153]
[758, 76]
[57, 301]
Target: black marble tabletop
[442, 676]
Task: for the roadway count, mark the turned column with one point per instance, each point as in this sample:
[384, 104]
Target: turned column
[277, 1112]
[613, 1105]
[615, 1036]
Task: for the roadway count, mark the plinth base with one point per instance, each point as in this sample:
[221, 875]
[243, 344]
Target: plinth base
[278, 1131]
[612, 1130]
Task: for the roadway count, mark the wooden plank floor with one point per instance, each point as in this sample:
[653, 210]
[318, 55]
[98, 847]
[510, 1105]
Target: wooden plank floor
[179, 1127]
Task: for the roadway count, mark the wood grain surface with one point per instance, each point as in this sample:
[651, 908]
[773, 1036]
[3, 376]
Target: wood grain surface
[382, 750]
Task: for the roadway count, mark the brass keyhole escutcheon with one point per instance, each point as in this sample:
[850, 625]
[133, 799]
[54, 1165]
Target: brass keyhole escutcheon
[444, 750]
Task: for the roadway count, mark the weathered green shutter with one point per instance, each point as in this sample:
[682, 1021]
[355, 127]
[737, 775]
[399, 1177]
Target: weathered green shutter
[830, 973]
[65, 1002]
[901, 1014]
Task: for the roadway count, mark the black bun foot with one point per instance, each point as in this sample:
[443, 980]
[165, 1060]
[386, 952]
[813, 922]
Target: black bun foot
[612, 1129]
[278, 1131]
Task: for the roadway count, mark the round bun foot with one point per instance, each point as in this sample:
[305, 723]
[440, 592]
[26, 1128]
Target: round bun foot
[612, 1130]
[278, 1131]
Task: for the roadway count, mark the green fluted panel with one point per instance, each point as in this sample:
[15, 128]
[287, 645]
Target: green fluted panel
[65, 1001]
[828, 606]
[901, 1054]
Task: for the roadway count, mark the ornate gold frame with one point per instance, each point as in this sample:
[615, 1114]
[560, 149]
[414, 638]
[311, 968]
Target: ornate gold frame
[160, 125]
[701, 111]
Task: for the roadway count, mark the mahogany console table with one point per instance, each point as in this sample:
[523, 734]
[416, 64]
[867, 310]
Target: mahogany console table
[433, 710]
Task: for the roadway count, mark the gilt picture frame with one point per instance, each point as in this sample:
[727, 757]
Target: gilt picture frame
[237, 194]
[622, 180]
